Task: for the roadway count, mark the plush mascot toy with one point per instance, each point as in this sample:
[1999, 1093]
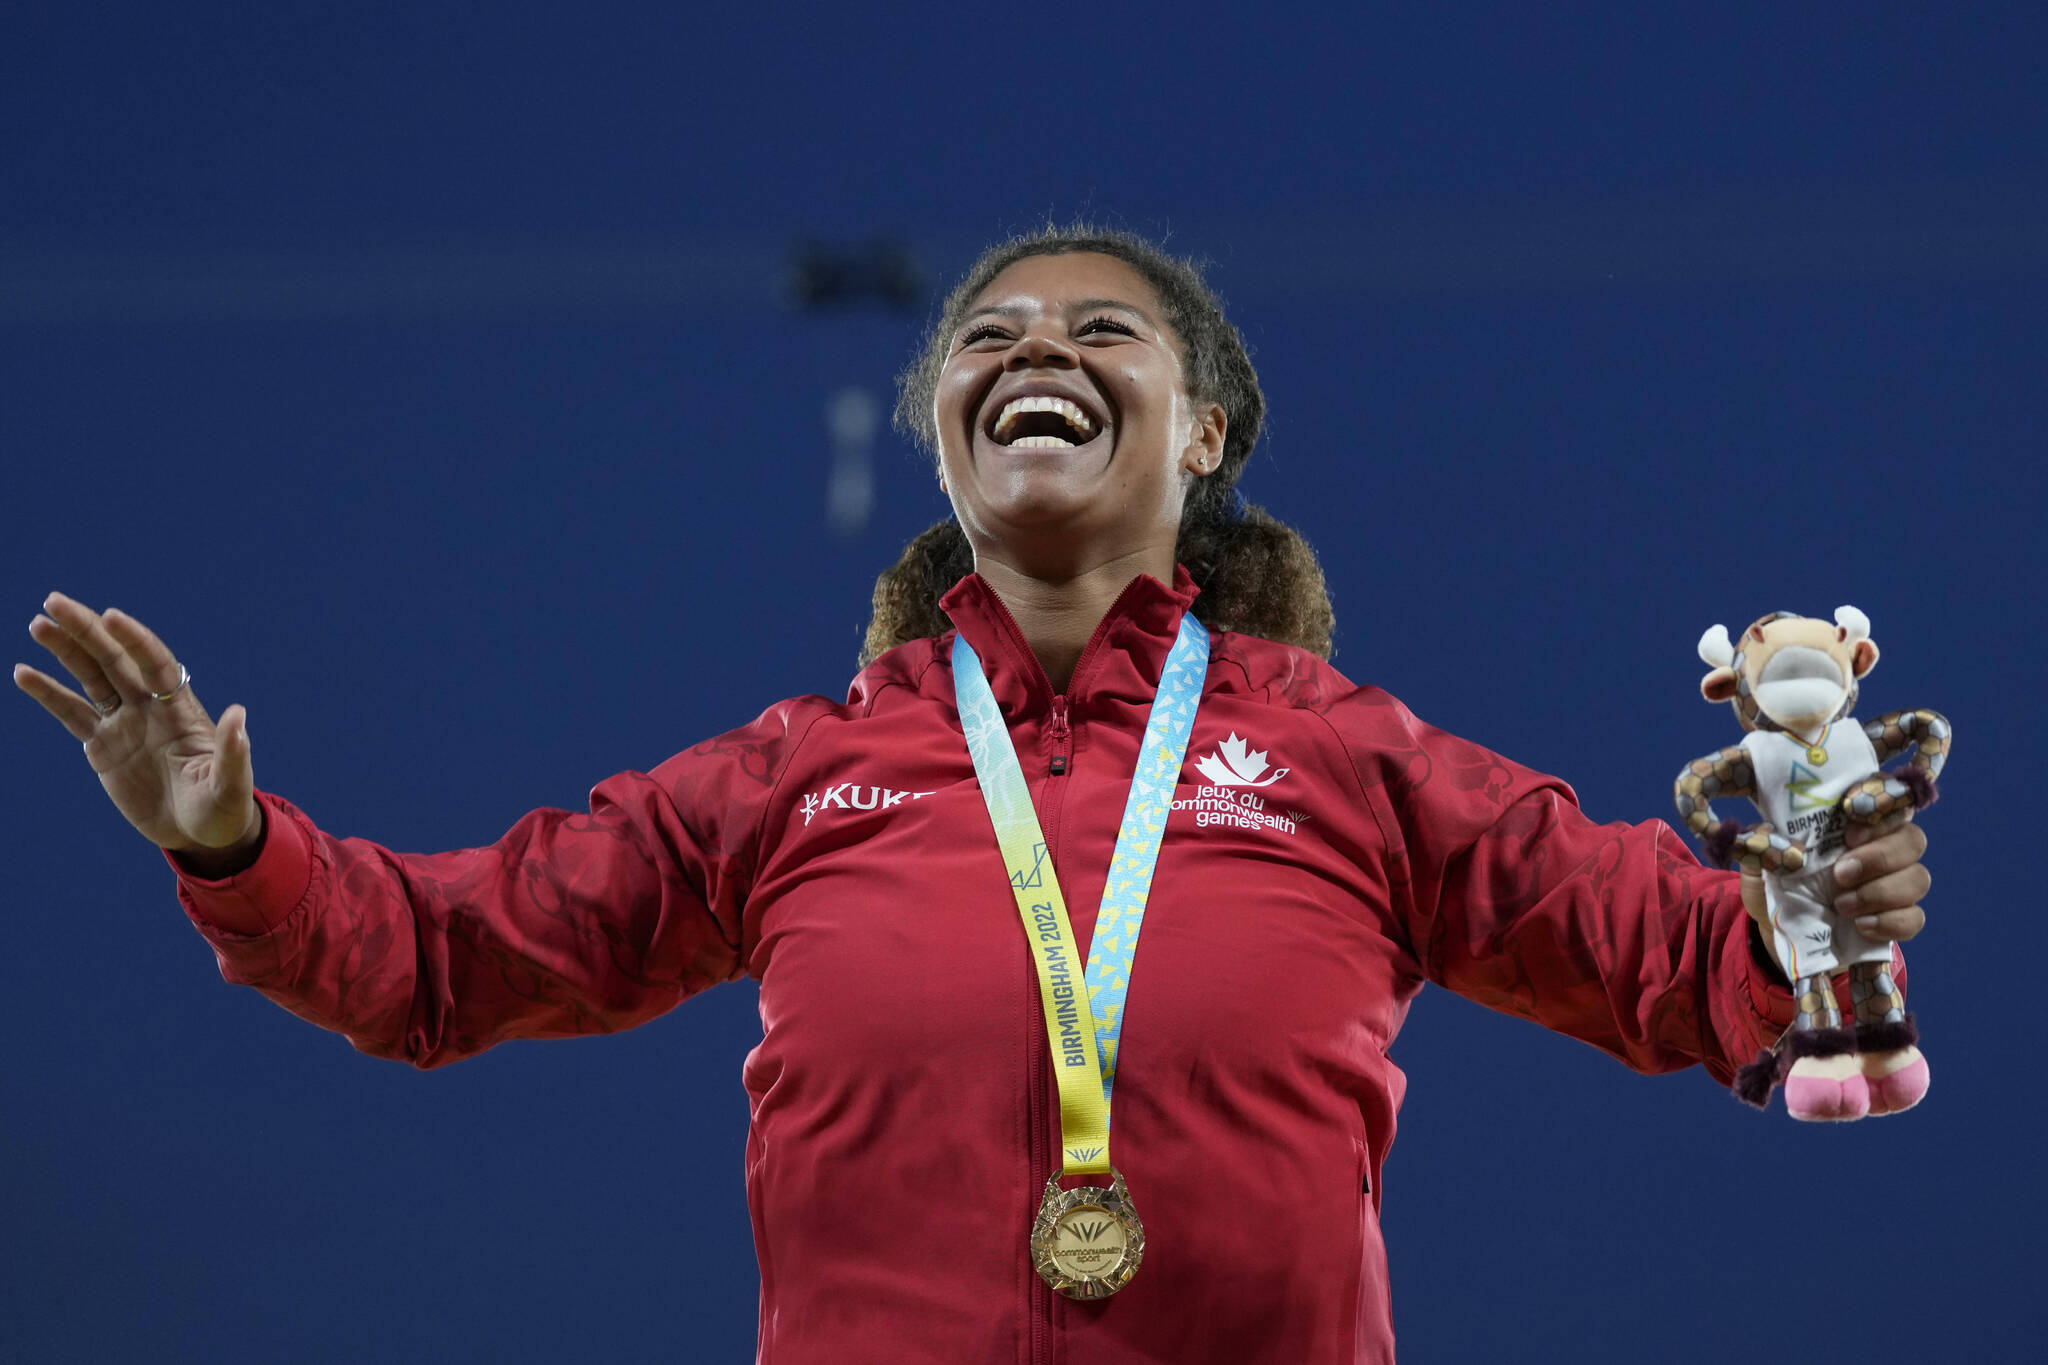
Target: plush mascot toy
[1810, 769]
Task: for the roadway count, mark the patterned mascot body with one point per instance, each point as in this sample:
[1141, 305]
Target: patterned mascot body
[1790, 678]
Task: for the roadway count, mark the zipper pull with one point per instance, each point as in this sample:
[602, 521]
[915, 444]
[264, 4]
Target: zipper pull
[1061, 736]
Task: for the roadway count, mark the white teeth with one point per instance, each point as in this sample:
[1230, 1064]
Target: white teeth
[1040, 443]
[1079, 420]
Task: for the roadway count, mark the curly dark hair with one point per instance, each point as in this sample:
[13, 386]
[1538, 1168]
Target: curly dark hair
[1257, 575]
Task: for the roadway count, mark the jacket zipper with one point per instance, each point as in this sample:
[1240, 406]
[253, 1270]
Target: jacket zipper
[1039, 1329]
[1051, 799]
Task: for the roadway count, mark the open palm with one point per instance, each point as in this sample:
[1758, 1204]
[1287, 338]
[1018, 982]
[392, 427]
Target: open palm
[181, 779]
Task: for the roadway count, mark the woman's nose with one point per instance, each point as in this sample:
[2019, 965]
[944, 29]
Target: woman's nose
[1040, 350]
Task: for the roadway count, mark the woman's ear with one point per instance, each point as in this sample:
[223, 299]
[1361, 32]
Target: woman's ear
[1204, 451]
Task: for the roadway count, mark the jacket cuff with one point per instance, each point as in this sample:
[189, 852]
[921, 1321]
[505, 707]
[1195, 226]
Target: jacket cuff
[254, 901]
[1768, 992]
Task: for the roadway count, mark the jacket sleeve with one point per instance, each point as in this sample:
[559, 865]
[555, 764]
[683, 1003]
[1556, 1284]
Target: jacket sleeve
[1613, 934]
[572, 923]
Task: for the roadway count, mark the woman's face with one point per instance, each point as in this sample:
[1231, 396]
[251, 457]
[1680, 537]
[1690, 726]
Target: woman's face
[1063, 414]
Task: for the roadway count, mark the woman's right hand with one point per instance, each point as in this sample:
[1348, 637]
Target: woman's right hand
[184, 782]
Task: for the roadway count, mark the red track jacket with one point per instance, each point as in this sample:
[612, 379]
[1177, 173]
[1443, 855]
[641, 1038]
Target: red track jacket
[1328, 853]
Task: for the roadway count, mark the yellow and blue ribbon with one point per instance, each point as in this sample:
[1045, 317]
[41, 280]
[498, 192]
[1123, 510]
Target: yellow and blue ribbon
[1084, 1010]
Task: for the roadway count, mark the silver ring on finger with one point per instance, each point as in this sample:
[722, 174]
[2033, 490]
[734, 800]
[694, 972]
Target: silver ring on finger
[184, 676]
[106, 708]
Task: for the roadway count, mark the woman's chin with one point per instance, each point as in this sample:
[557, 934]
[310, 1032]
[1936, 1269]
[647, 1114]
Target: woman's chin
[1038, 521]
[1041, 496]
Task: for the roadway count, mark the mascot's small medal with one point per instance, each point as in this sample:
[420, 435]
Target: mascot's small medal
[1816, 753]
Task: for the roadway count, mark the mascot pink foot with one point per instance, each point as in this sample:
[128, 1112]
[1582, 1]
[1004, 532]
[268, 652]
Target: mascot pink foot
[1892, 1066]
[1825, 1082]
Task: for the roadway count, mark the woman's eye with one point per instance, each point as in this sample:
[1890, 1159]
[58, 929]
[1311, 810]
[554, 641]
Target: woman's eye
[1107, 325]
[987, 329]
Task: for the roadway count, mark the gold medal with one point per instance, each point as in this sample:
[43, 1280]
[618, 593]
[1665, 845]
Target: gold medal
[1816, 755]
[1087, 1242]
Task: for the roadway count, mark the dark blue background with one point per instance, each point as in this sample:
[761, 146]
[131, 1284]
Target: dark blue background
[422, 379]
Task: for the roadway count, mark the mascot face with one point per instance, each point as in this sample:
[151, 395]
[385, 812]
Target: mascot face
[1790, 672]
[1799, 670]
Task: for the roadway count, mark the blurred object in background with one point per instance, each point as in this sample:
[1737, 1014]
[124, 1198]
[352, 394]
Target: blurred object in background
[879, 271]
[851, 414]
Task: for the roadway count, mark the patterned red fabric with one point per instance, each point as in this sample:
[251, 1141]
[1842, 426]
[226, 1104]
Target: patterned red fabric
[842, 856]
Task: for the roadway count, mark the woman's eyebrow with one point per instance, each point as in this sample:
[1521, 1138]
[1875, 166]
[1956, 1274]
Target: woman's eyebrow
[1002, 310]
[1077, 306]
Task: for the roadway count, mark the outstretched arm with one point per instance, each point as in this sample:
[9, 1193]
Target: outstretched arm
[1511, 897]
[572, 923]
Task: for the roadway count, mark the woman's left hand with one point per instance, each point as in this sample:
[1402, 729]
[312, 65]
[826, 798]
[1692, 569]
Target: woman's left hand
[1879, 881]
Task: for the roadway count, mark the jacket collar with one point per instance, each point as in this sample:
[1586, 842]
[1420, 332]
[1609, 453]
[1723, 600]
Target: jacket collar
[1121, 662]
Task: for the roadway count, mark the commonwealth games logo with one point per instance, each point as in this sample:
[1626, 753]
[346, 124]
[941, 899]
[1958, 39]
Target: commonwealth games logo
[1087, 1241]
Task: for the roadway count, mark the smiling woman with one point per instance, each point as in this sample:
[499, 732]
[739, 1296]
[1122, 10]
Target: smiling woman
[1083, 315]
[1115, 668]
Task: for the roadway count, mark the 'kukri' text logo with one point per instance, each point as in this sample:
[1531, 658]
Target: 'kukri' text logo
[849, 796]
[1231, 766]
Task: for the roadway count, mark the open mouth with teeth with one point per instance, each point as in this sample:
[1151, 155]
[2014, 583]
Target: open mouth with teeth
[1042, 423]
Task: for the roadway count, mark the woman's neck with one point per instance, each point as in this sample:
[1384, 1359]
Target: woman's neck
[1059, 615]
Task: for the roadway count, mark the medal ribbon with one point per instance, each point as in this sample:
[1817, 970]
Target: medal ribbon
[1084, 1011]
